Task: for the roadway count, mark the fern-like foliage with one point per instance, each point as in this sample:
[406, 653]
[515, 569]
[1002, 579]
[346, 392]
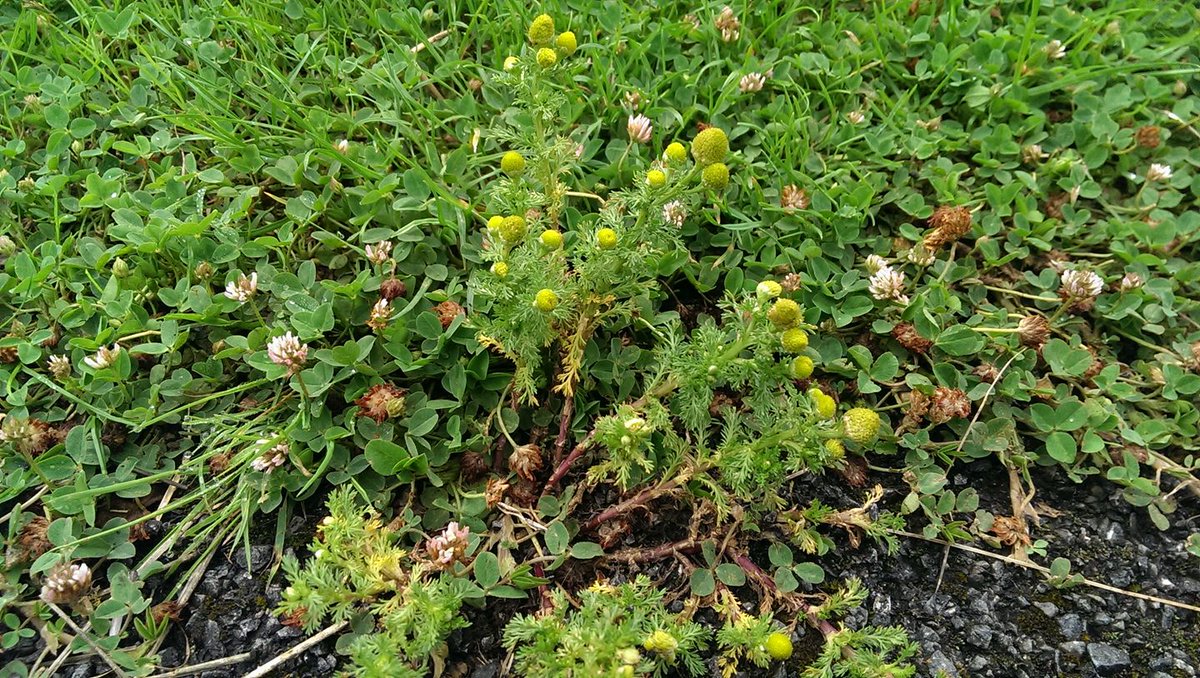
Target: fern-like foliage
[359, 566]
[616, 631]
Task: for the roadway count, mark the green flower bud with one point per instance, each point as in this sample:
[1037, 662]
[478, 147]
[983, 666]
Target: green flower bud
[794, 340]
[395, 407]
[662, 644]
[541, 31]
[675, 152]
[545, 301]
[715, 177]
[551, 240]
[512, 164]
[784, 314]
[119, 268]
[500, 269]
[802, 367]
[861, 425]
[656, 178]
[546, 57]
[710, 146]
[566, 43]
[607, 238]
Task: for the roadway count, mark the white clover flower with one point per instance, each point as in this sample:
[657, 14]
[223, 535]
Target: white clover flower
[271, 457]
[728, 24]
[1055, 49]
[59, 366]
[639, 129]
[379, 253]
[243, 288]
[105, 357]
[1131, 281]
[752, 82]
[875, 264]
[888, 284]
[674, 213]
[1158, 172]
[287, 350]
[920, 255]
[342, 146]
[856, 117]
[66, 583]
[380, 315]
[1078, 284]
[449, 546]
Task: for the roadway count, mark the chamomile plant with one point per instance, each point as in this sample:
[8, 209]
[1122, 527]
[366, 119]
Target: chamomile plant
[562, 263]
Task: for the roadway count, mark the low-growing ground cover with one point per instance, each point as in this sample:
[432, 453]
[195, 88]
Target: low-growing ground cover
[594, 339]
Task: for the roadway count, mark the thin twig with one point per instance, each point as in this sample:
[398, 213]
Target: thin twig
[436, 37]
[295, 651]
[214, 664]
[983, 401]
[26, 504]
[1045, 570]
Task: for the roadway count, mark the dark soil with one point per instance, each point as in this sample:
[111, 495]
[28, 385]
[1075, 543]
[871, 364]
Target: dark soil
[984, 618]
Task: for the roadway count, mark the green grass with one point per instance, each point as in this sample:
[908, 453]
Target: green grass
[173, 136]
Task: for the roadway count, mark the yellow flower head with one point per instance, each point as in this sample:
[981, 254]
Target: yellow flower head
[768, 289]
[675, 152]
[715, 177]
[710, 146]
[794, 340]
[826, 406]
[566, 43]
[656, 178]
[495, 223]
[861, 425]
[500, 269]
[607, 238]
[545, 300]
[541, 31]
[784, 314]
[835, 448]
[512, 164]
[779, 646]
[802, 367]
[546, 57]
[512, 230]
[551, 240]
[510, 62]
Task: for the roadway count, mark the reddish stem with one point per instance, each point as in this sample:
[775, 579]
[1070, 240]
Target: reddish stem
[765, 581]
[564, 427]
[561, 471]
[636, 555]
[543, 590]
[639, 499]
